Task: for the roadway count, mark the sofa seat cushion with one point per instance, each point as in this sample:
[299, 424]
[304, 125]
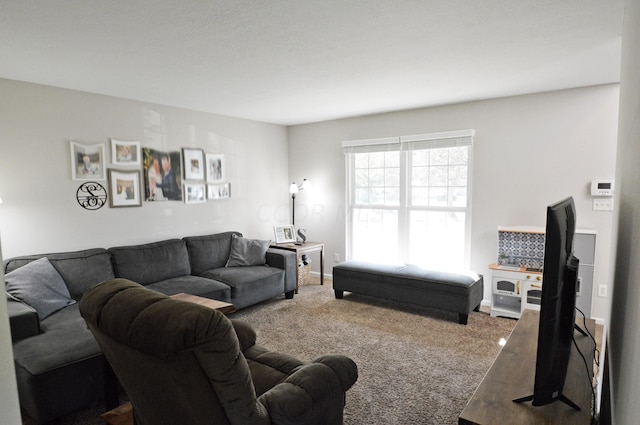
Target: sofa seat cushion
[152, 262]
[250, 284]
[64, 339]
[194, 285]
[80, 270]
[59, 370]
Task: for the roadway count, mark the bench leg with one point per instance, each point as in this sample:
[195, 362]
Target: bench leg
[339, 293]
[462, 318]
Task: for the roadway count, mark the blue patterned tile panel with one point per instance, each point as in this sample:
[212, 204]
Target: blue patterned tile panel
[521, 248]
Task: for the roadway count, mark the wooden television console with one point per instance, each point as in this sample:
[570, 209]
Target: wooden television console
[512, 376]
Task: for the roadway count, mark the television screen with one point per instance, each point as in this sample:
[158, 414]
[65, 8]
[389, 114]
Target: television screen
[557, 308]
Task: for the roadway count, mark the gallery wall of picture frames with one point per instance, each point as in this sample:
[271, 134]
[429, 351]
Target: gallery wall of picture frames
[139, 174]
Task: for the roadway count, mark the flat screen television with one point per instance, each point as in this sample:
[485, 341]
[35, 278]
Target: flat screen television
[557, 306]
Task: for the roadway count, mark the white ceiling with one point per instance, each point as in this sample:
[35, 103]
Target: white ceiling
[298, 61]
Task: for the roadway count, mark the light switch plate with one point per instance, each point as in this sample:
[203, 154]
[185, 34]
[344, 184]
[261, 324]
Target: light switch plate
[603, 204]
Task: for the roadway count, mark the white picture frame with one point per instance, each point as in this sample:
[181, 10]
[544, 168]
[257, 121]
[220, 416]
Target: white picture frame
[125, 153]
[284, 234]
[87, 161]
[219, 191]
[194, 193]
[215, 167]
[193, 161]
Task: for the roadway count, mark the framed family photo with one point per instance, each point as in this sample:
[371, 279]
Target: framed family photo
[125, 152]
[215, 168]
[87, 161]
[162, 175]
[284, 234]
[194, 193]
[219, 191]
[193, 164]
[124, 188]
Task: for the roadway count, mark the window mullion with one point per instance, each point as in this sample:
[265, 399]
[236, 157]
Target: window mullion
[403, 208]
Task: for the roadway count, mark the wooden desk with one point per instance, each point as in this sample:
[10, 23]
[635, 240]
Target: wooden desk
[304, 248]
[512, 376]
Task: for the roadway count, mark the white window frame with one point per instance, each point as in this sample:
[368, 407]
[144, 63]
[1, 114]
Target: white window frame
[404, 144]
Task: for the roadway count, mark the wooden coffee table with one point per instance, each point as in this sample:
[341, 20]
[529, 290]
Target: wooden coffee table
[123, 415]
[223, 307]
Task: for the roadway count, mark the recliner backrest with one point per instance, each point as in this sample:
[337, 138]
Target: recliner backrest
[179, 363]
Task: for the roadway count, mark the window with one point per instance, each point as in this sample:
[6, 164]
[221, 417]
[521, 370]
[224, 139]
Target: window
[408, 199]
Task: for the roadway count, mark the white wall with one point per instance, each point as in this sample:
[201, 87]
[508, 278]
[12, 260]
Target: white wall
[521, 149]
[9, 404]
[624, 336]
[40, 213]
[529, 151]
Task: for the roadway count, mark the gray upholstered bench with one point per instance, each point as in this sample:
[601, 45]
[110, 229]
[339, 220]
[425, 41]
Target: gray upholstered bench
[458, 293]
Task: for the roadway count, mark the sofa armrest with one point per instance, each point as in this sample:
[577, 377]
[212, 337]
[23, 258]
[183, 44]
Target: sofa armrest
[23, 319]
[313, 394]
[287, 261]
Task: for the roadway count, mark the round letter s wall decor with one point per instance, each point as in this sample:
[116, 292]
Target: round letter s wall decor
[91, 195]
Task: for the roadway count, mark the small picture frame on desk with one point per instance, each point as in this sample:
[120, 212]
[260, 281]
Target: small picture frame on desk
[284, 234]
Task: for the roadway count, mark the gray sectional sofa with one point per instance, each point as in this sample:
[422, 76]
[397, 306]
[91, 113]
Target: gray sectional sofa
[59, 365]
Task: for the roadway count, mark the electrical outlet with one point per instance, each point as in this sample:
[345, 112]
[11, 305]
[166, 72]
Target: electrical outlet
[336, 257]
[602, 291]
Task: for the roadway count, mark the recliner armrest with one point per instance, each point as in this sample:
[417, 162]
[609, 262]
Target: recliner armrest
[287, 261]
[313, 394]
[23, 319]
[345, 369]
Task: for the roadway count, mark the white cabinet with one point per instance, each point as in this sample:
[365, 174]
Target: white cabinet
[514, 291]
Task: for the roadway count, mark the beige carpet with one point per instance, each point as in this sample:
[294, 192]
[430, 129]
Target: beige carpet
[416, 366]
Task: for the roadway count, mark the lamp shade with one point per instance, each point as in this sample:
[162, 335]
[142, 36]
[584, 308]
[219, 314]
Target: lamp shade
[293, 188]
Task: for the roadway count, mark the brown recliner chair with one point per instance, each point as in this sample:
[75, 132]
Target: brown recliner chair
[181, 363]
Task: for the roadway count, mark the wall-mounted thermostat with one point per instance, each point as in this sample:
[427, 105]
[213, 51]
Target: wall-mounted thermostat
[602, 187]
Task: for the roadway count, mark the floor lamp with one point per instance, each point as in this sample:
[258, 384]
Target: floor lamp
[293, 189]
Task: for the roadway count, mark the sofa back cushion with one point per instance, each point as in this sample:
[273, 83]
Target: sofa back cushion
[209, 251]
[152, 262]
[80, 270]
